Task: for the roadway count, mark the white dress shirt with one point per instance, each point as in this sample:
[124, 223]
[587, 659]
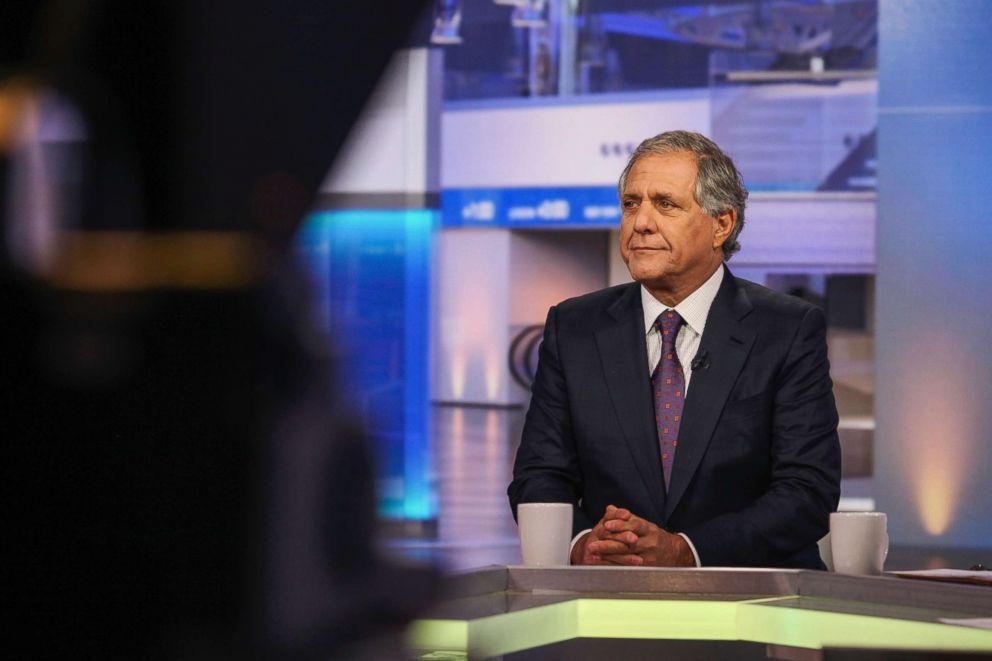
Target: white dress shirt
[693, 309]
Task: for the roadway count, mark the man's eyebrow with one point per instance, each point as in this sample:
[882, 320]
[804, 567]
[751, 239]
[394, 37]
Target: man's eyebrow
[651, 195]
[662, 195]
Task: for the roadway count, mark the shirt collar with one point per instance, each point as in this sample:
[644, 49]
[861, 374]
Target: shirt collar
[693, 309]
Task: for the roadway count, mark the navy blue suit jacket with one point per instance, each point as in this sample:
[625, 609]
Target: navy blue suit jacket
[757, 471]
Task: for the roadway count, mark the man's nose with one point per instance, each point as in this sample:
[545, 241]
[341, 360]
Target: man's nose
[644, 221]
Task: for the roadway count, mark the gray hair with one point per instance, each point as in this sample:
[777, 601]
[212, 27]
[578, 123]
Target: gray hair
[719, 186]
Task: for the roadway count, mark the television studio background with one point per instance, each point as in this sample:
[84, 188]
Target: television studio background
[314, 289]
[479, 188]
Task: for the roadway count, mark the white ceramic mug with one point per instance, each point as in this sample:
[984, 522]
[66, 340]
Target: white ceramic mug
[545, 533]
[859, 542]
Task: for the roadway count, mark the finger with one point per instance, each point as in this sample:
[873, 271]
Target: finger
[608, 547]
[610, 513]
[591, 559]
[641, 527]
[607, 515]
[619, 525]
[655, 542]
[604, 547]
[632, 522]
[626, 560]
[622, 535]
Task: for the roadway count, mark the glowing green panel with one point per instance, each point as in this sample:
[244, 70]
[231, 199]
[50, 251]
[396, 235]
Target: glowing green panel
[522, 630]
[673, 620]
[817, 629]
[438, 634]
[757, 621]
[580, 618]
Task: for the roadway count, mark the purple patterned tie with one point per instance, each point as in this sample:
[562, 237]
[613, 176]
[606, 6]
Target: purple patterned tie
[668, 383]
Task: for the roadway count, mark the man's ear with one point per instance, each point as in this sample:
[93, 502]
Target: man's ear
[725, 223]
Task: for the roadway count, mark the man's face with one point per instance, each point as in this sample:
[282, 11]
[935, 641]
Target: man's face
[666, 239]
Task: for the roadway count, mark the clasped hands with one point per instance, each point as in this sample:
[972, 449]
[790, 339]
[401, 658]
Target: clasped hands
[622, 538]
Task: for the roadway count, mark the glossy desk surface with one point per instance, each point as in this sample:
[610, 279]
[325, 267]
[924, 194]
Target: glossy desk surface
[506, 611]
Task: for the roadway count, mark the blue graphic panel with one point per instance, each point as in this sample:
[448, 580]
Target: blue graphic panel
[372, 273]
[586, 206]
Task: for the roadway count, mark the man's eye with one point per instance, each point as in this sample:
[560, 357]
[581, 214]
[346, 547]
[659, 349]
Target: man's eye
[665, 204]
[629, 204]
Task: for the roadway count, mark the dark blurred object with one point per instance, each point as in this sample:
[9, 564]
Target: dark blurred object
[181, 476]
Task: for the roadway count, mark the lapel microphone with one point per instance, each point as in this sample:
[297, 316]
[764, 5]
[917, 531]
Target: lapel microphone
[701, 361]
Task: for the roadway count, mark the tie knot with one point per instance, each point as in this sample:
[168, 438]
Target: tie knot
[668, 324]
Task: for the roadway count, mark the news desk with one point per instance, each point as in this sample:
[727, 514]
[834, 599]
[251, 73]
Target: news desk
[607, 613]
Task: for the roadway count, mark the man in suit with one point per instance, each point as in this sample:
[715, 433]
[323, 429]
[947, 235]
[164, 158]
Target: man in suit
[688, 416]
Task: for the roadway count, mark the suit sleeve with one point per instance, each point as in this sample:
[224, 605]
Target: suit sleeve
[804, 482]
[547, 465]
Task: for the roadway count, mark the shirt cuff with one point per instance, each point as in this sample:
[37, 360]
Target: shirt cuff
[577, 538]
[687, 541]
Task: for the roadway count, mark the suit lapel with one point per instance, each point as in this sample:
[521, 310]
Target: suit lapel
[726, 343]
[623, 350]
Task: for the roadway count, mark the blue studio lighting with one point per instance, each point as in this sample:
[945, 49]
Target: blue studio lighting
[371, 272]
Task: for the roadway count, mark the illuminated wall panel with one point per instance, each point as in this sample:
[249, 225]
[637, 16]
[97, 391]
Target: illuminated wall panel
[472, 327]
[491, 283]
[934, 284]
